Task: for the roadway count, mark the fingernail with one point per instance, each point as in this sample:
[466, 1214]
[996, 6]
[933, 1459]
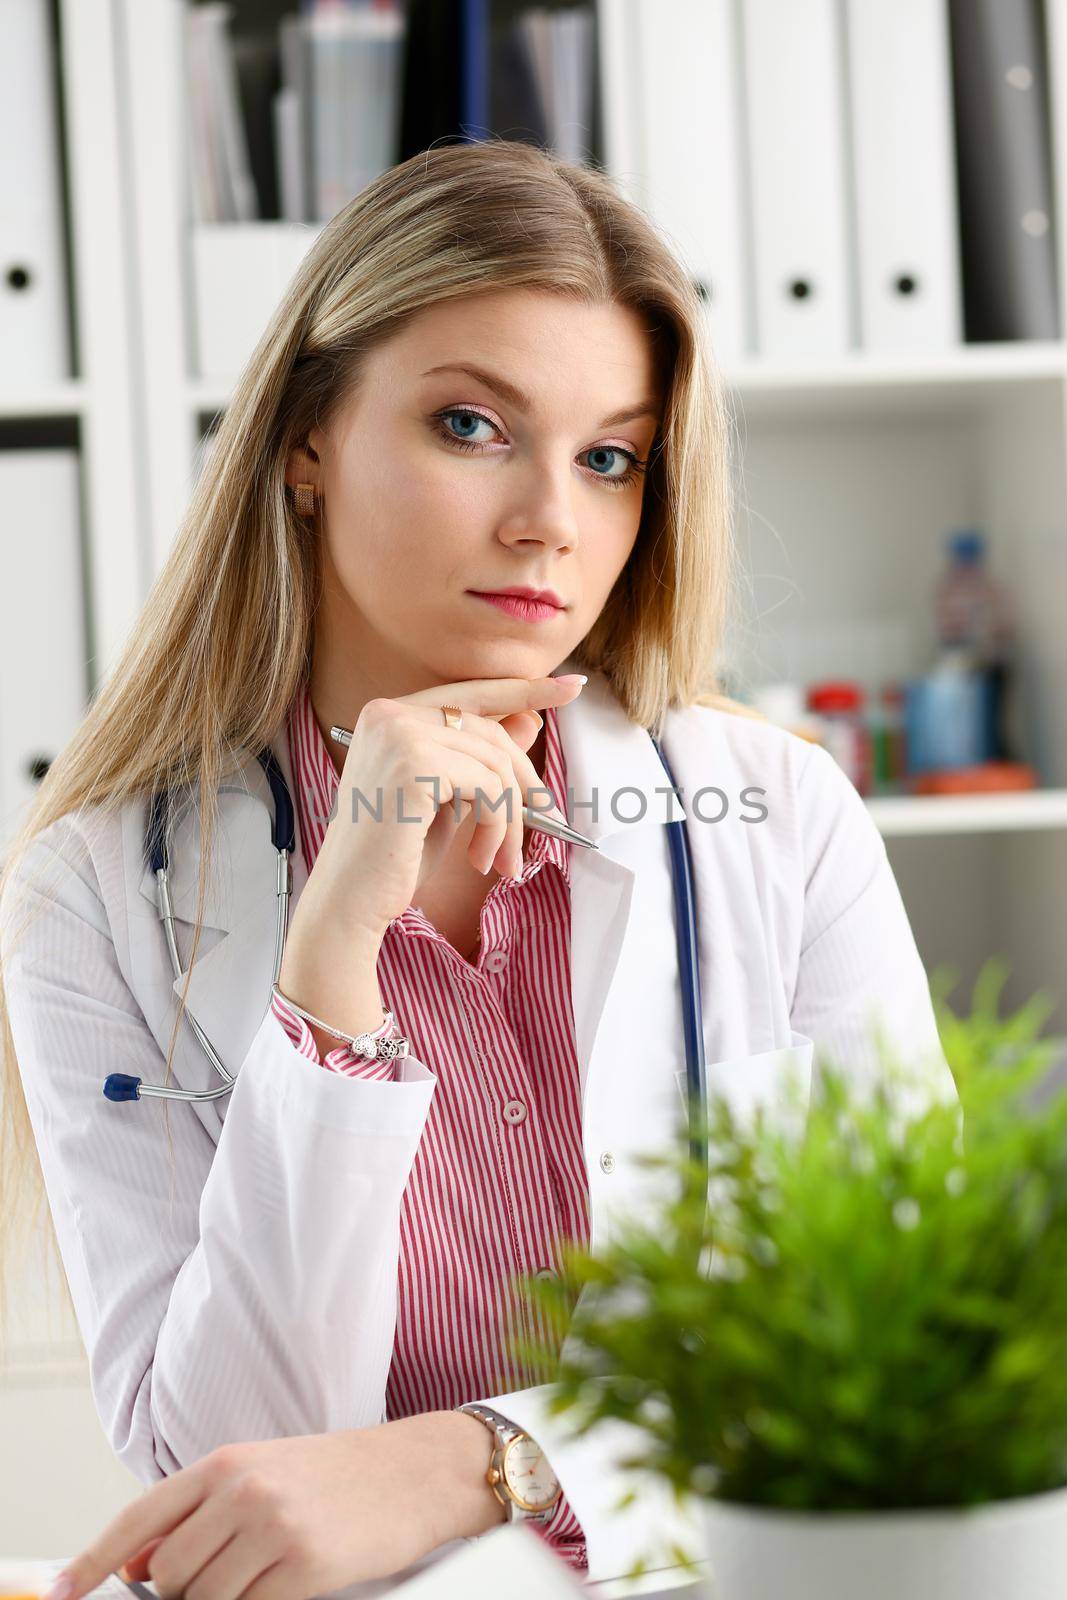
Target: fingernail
[62, 1589]
[572, 677]
[540, 719]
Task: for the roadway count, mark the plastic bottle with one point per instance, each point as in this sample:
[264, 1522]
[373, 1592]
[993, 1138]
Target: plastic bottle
[947, 715]
[839, 706]
[973, 614]
[888, 741]
[971, 608]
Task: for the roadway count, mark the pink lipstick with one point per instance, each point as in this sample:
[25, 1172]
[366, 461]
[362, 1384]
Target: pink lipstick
[526, 610]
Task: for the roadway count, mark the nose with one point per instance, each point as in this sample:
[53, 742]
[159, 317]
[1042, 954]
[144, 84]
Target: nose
[543, 511]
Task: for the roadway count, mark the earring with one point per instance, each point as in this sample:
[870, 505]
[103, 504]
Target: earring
[305, 499]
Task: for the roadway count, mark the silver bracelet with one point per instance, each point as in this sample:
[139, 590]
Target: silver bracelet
[363, 1044]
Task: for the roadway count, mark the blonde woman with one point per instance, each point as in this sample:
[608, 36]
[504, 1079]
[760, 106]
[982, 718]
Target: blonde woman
[489, 373]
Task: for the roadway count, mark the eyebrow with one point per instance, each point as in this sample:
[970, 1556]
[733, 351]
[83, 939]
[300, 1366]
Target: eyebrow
[522, 402]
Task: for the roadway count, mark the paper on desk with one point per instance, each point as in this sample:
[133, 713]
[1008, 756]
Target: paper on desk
[510, 1560]
[510, 1555]
[37, 1577]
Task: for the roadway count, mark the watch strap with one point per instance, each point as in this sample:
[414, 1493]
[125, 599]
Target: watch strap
[503, 1431]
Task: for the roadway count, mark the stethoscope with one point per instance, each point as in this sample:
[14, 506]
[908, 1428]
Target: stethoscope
[120, 1086]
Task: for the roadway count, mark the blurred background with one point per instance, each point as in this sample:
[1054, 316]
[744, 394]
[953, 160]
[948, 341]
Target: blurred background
[870, 196]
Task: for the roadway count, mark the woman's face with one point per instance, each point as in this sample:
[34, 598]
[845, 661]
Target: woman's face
[440, 480]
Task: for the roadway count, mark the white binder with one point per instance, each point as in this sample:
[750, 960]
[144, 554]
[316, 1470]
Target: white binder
[903, 170]
[34, 323]
[794, 94]
[674, 127]
[43, 656]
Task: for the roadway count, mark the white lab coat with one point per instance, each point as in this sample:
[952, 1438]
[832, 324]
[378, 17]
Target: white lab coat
[256, 1298]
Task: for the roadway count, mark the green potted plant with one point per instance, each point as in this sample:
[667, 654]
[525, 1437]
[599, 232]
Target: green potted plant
[851, 1344]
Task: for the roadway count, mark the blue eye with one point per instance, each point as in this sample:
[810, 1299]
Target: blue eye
[470, 419]
[466, 418]
[610, 450]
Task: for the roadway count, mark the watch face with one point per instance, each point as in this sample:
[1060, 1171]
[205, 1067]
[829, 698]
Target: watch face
[528, 1474]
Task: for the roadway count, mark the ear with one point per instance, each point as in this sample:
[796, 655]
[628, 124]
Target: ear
[304, 464]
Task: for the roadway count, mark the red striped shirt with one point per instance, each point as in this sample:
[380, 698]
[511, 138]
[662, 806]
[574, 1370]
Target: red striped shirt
[499, 1177]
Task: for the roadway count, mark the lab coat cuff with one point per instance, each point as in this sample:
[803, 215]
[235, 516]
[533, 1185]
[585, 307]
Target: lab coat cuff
[590, 1475]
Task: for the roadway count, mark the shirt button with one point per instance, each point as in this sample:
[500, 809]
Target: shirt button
[496, 961]
[607, 1161]
[545, 1272]
[515, 1111]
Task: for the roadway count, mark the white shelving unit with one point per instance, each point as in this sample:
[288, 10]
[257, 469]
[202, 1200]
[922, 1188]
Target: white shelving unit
[46, 1407]
[101, 398]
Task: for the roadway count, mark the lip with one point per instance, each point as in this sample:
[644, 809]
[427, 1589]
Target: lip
[522, 592]
[520, 605]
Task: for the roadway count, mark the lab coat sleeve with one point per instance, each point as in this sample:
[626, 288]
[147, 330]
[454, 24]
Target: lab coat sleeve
[859, 970]
[226, 1291]
[343, 1059]
[565, 1535]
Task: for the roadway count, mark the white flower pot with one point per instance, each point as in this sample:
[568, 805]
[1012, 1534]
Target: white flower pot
[1005, 1550]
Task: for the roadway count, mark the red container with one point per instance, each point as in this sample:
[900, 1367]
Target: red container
[839, 703]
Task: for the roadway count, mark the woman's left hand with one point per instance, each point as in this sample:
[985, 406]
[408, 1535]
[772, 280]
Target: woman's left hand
[283, 1519]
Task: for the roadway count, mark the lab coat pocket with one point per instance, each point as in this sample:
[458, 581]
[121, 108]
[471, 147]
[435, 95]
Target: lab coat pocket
[776, 1081]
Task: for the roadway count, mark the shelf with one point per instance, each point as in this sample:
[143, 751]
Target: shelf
[875, 381]
[969, 376]
[900, 816]
[67, 399]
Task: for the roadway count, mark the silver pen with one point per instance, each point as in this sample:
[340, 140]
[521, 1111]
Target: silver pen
[538, 821]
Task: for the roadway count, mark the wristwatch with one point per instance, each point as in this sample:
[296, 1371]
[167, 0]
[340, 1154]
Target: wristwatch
[517, 1467]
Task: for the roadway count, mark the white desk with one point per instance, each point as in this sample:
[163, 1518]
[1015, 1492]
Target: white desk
[458, 1571]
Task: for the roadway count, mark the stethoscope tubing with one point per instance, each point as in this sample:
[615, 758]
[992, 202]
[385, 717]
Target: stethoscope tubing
[685, 923]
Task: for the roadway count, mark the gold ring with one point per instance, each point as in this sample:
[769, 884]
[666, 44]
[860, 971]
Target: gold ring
[453, 716]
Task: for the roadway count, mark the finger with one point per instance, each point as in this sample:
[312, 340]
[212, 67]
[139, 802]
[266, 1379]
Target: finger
[487, 739]
[235, 1568]
[137, 1566]
[484, 784]
[157, 1511]
[189, 1548]
[522, 726]
[498, 827]
[496, 697]
[540, 801]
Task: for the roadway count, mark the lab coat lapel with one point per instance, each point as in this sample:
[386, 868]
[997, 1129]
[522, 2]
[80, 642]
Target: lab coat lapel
[229, 987]
[624, 966]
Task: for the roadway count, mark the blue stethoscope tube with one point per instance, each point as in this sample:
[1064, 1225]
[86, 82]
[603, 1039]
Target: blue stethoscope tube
[685, 927]
[120, 1086]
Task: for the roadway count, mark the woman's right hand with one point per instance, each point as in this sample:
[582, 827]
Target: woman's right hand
[369, 870]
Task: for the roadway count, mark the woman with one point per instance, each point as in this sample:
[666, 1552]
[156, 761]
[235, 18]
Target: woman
[489, 372]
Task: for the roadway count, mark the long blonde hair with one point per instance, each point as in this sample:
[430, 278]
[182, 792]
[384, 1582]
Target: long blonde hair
[224, 640]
